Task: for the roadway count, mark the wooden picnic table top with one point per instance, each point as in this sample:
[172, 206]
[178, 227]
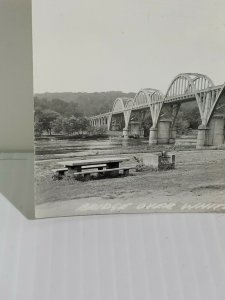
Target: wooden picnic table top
[93, 161]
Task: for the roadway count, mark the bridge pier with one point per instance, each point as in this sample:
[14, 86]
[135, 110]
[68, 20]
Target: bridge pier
[126, 133]
[135, 129]
[216, 130]
[202, 138]
[164, 131]
[153, 136]
[173, 134]
[211, 135]
[163, 134]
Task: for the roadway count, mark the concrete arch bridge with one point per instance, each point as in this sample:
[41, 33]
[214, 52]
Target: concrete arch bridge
[128, 113]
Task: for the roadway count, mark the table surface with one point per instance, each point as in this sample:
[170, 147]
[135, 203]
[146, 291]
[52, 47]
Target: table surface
[93, 161]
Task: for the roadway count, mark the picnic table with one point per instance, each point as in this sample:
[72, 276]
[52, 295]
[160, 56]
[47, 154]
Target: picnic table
[111, 165]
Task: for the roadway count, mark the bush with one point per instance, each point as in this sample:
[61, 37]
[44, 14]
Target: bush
[97, 131]
[140, 165]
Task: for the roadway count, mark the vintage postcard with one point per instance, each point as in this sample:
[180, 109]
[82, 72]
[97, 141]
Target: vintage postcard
[129, 106]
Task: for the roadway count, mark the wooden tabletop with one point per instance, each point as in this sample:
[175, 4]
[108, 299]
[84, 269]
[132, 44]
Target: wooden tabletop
[93, 161]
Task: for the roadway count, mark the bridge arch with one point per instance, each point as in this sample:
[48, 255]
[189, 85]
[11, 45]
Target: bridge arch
[185, 83]
[196, 85]
[118, 105]
[121, 105]
[151, 98]
[143, 98]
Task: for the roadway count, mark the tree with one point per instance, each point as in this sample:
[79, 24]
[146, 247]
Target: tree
[84, 124]
[57, 124]
[182, 123]
[101, 131]
[147, 124]
[47, 117]
[194, 118]
[74, 124]
[38, 128]
[67, 129]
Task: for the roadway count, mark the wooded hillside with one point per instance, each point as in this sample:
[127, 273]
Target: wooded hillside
[87, 104]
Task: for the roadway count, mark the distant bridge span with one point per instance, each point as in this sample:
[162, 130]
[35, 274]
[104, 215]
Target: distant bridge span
[185, 87]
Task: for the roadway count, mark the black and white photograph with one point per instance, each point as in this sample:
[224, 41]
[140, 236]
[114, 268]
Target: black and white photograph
[129, 106]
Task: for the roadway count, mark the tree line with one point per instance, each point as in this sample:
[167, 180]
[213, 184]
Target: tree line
[60, 117]
[88, 104]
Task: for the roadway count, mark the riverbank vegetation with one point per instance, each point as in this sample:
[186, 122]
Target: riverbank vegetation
[57, 117]
[50, 125]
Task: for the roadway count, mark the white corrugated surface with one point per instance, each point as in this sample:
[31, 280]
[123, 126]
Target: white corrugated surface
[167, 256]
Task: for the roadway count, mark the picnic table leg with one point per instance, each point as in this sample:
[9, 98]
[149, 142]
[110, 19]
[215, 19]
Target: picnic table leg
[113, 165]
[126, 172]
[61, 174]
[78, 169]
[100, 173]
[73, 169]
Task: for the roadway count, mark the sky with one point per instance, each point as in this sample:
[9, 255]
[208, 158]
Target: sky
[125, 45]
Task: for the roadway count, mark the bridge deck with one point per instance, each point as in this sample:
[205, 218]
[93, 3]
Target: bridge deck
[168, 100]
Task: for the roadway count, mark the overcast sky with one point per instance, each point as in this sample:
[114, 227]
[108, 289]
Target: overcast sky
[126, 45]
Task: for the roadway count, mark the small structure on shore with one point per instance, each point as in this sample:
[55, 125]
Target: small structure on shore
[159, 161]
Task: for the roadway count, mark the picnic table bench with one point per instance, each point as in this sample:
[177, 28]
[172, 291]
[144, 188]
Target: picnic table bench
[83, 168]
[86, 175]
[62, 171]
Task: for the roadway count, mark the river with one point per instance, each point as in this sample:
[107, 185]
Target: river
[52, 148]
